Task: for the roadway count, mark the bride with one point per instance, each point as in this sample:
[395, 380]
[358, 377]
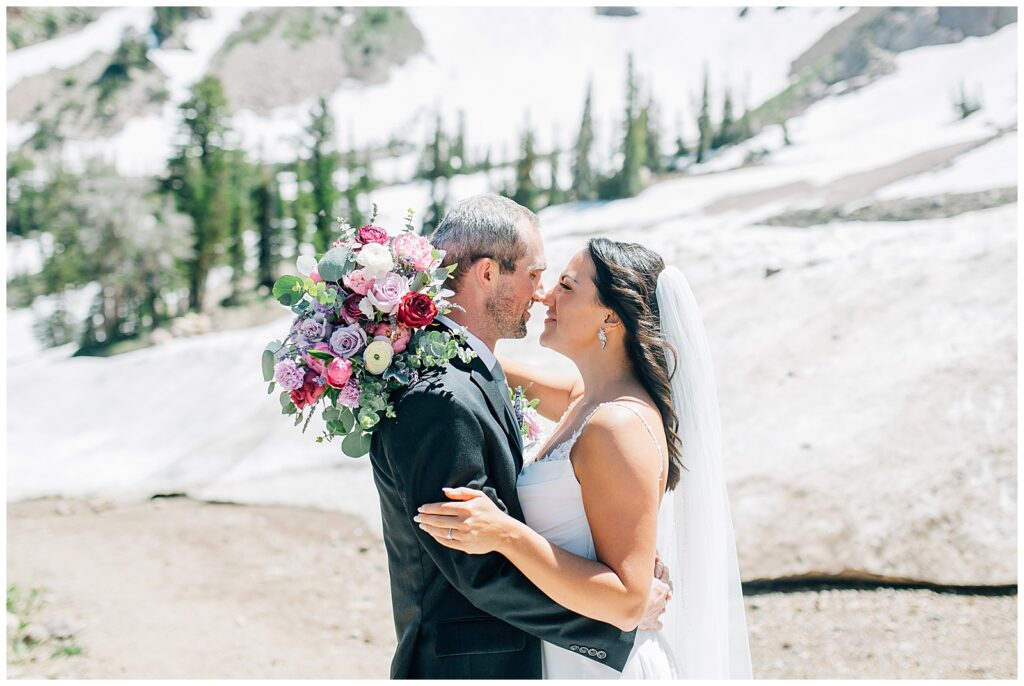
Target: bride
[632, 470]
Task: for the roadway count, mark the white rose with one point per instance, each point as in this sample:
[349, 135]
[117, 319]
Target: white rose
[377, 356]
[366, 307]
[376, 259]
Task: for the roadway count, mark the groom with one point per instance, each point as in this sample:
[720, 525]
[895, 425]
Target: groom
[458, 615]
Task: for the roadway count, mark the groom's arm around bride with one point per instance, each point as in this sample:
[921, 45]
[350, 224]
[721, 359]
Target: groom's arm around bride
[463, 615]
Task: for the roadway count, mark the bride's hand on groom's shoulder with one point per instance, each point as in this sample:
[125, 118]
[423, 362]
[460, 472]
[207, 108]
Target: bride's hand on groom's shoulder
[470, 522]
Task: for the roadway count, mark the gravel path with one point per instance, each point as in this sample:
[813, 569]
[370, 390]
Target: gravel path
[175, 588]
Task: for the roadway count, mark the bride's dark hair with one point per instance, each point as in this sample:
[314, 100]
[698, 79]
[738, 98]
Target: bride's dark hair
[626, 276]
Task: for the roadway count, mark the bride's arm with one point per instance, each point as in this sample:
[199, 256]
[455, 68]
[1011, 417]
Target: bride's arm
[620, 489]
[554, 390]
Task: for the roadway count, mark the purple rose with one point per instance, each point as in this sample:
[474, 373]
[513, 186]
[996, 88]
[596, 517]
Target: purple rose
[311, 329]
[386, 293]
[346, 341]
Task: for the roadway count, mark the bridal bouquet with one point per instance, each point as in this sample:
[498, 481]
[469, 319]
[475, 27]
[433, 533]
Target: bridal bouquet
[359, 334]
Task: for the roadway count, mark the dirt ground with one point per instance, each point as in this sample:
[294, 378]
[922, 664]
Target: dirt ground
[175, 588]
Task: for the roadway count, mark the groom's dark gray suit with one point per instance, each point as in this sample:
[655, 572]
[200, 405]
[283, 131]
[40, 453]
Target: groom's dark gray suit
[458, 615]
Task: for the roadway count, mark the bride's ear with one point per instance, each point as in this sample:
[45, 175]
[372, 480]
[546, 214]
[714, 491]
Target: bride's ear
[612, 320]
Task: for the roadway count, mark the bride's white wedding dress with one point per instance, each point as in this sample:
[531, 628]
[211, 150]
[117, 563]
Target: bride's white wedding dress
[553, 506]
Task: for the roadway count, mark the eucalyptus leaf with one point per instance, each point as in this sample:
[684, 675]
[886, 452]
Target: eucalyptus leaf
[270, 388]
[332, 265]
[305, 264]
[356, 444]
[347, 419]
[268, 365]
[336, 427]
[421, 280]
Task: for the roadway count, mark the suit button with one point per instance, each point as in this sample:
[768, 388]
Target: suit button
[601, 655]
[592, 652]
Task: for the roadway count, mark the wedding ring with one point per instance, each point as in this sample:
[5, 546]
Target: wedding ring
[449, 534]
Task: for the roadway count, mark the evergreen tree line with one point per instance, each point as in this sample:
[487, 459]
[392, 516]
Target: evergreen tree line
[152, 250]
[640, 153]
[152, 247]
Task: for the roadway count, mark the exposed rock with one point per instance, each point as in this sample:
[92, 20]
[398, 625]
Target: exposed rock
[61, 627]
[862, 49]
[284, 55]
[891, 450]
[30, 25]
[66, 102]
[900, 209]
[36, 633]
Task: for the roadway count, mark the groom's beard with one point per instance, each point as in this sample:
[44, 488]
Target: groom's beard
[509, 318]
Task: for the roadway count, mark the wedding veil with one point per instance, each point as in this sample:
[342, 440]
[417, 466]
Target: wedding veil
[705, 620]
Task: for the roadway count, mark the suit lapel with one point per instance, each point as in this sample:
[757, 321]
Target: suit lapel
[481, 376]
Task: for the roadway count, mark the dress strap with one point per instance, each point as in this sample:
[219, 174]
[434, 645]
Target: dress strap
[661, 457]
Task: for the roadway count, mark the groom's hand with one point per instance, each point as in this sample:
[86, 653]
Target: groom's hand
[657, 600]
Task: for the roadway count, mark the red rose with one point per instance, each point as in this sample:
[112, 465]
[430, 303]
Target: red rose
[310, 391]
[350, 309]
[416, 310]
[373, 234]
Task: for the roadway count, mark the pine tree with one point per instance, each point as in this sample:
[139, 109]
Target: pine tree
[633, 146]
[458, 151]
[323, 162]
[584, 182]
[436, 163]
[199, 180]
[438, 206]
[681, 149]
[652, 140]
[556, 196]
[704, 128]
[238, 223]
[266, 201]
[744, 128]
[300, 206]
[727, 134]
[526, 193]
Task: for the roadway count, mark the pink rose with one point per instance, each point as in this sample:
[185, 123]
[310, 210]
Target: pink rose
[416, 251]
[315, 275]
[399, 337]
[339, 371]
[357, 281]
[372, 234]
[314, 363]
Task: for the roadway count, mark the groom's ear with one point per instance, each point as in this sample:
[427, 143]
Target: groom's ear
[485, 270]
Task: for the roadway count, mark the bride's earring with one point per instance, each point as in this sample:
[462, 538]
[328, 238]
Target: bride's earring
[603, 336]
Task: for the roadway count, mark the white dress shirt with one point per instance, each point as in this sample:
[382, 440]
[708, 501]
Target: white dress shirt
[475, 344]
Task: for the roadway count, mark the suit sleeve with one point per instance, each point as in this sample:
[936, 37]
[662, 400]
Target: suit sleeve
[437, 441]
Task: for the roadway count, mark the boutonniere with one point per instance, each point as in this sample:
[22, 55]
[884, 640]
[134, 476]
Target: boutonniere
[526, 414]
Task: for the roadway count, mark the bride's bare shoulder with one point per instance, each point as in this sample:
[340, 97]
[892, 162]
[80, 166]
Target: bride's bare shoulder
[619, 434]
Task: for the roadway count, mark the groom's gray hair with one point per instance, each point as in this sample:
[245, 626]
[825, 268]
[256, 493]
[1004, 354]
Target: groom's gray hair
[482, 226]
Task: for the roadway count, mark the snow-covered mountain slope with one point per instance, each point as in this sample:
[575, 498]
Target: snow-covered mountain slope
[497, 65]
